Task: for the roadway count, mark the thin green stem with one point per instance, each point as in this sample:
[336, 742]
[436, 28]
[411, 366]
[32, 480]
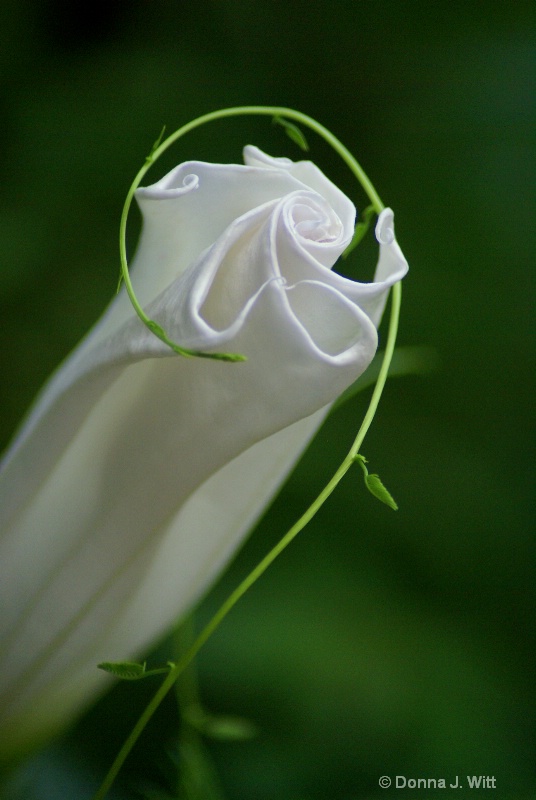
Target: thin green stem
[349, 460]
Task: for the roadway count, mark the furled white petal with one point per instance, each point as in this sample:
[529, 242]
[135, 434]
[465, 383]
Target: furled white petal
[139, 472]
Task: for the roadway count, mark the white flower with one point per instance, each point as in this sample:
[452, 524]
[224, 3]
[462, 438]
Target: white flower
[139, 472]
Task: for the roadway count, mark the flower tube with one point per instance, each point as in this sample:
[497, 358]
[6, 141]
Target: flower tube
[138, 472]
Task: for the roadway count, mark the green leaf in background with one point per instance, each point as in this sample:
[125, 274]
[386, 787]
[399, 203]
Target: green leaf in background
[222, 728]
[411, 360]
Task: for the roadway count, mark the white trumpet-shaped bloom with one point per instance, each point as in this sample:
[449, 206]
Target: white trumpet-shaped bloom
[138, 472]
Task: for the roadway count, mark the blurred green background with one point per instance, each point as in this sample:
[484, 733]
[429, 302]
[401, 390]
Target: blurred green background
[380, 643]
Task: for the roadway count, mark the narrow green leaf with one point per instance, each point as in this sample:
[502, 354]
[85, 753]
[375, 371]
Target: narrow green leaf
[131, 671]
[155, 146]
[374, 484]
[376, 487]
[126, 670]
[293, 132]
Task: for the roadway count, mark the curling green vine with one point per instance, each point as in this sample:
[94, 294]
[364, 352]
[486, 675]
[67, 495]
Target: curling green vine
[281, 116]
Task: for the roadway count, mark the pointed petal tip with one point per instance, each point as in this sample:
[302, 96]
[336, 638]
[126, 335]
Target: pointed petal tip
[385, 227]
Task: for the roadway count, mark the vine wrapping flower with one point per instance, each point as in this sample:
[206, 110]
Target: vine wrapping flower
[138, 472]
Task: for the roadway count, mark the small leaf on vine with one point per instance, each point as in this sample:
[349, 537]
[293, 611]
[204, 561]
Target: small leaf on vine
[156, 145]
[131, 671]
[374, 484]
[126, 670]
[376, 487]
[293, 132]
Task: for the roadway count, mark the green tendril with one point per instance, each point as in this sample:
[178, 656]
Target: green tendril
[348, 462]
